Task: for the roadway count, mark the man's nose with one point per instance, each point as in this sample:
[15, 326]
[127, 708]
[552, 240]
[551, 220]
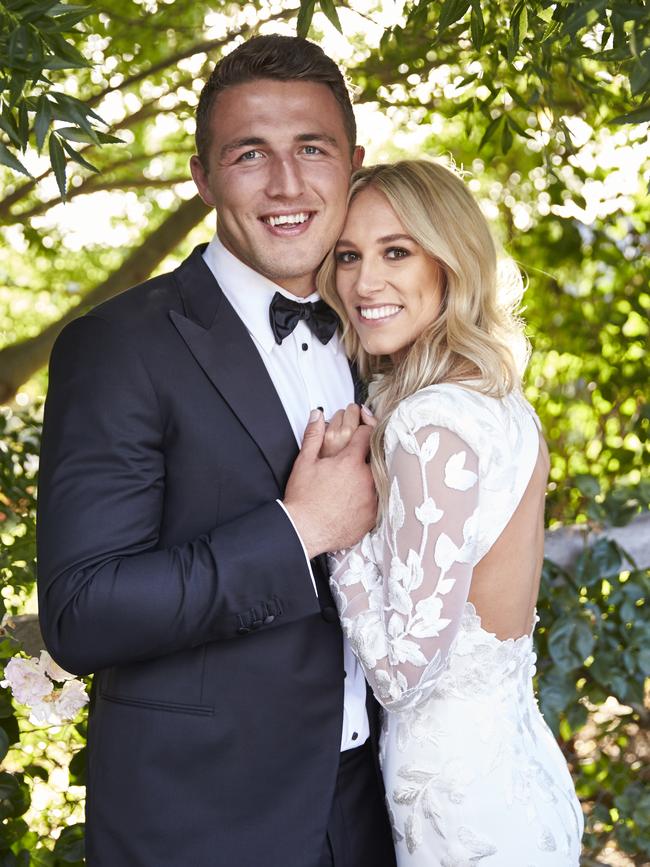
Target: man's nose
[285, 179]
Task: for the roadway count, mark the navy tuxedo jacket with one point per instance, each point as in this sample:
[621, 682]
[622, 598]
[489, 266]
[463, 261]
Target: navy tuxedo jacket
[167, 568]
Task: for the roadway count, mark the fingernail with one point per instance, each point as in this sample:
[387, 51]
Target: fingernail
[367, 410]
[314, 415]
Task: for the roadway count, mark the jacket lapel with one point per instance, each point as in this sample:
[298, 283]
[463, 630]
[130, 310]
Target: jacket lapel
[220, 343]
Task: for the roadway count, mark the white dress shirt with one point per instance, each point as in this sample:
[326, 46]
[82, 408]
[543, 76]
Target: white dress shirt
[306, 374]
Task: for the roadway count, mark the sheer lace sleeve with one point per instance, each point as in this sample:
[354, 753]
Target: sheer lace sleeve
[402, 590]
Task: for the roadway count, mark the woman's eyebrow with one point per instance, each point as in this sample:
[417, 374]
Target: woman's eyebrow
[386, 239]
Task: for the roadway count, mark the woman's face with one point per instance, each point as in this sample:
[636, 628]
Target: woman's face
[390, 288]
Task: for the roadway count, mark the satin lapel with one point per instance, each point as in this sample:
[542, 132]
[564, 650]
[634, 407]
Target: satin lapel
[360, 390]
[220, 343]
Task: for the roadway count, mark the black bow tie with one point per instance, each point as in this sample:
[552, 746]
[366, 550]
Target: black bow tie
[285, 314]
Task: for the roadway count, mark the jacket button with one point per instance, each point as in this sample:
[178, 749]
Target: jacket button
[269, 619]
[243, 630]
[329, 614]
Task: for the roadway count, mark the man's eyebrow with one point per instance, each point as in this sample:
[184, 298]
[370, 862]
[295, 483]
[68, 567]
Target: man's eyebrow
[318, 136]
[251, 141]
[387, 239]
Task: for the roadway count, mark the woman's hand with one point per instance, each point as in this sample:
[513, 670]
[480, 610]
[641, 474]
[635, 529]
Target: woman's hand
[342, 426]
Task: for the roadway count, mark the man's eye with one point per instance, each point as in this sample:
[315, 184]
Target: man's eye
[396, 253]
[249, 155]
[346, 257]
[312, 150]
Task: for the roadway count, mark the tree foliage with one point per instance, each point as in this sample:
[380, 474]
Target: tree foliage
[33, 45]
[543, 105]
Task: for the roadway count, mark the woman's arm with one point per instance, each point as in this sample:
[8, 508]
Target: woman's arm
[402, 590]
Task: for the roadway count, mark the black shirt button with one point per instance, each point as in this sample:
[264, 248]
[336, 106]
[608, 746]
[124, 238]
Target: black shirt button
[269, 619]
[329, 614]
[355, 735]
[305, 347]
[243, 630]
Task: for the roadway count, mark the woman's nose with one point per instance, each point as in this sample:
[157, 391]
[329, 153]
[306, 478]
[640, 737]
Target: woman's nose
[370, 279]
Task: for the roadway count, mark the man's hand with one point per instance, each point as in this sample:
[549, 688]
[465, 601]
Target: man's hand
[330, 494]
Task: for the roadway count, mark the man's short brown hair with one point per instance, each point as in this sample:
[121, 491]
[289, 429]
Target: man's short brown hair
[280, 58]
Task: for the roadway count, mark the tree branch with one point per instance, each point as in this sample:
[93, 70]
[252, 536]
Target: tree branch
[21, 360]
[197, 48]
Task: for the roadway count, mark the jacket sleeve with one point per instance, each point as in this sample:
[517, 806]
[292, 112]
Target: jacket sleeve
[108, 594]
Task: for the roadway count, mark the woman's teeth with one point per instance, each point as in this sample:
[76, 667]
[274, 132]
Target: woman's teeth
[379, 312]
[287, 219]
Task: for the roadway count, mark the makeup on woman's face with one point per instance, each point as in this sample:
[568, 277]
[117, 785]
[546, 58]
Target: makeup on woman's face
[390, 288]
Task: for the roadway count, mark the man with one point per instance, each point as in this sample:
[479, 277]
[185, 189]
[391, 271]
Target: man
[228, 722]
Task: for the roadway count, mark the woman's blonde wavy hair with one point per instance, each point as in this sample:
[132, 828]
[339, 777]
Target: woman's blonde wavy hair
[477, 336]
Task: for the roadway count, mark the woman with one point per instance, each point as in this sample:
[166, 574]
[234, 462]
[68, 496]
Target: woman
[438, 601]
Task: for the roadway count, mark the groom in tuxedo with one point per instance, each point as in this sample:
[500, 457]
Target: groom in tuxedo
[181, 530]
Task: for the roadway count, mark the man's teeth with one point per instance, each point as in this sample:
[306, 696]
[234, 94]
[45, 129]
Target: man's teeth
[379, 312]
[287, 219]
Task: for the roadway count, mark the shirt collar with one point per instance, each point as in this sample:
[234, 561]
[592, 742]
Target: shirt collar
[249, 293]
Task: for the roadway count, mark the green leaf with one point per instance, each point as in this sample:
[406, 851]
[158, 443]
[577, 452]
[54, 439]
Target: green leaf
[66, 21]
[8, 786]
[587, 485]
[305, 16]
[586, 15]
[491, 129]
[57, 159]
[570, 642]
[452, 11]
[551, 29]
[8, 159]
[518, 29]
[332, 15]
[9, 126]
[506, 137]
[76, 156]
[73, 133]
[42, 121]
[477, 25]
[606, 557]
[77, 768]
[63, 52]
[23, 123]
[639, 115]
[70, 845]
[4, 744]
[640, 76]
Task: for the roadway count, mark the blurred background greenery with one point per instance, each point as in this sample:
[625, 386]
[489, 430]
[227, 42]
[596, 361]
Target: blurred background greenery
[545, 107]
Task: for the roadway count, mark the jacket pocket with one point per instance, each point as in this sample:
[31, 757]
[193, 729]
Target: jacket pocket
[169, 706]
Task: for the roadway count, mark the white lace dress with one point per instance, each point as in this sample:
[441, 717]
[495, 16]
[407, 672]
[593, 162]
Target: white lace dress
[473, 775]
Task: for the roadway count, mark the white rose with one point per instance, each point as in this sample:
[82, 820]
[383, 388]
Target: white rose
[70, 700]
[28, 683]
[52, 668]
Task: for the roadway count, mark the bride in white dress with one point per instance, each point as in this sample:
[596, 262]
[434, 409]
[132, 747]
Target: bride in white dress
[438, 602]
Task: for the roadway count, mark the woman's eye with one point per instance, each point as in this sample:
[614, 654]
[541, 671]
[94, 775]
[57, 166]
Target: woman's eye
[346, 257]
[396, 253]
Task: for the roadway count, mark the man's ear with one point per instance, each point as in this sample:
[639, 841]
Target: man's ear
[200, 176]
[357, 157]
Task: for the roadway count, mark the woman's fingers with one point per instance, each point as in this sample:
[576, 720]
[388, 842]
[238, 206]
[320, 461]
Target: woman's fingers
[367, 417]
[340, 430]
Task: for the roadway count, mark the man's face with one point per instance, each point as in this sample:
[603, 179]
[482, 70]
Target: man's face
[278, 175]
